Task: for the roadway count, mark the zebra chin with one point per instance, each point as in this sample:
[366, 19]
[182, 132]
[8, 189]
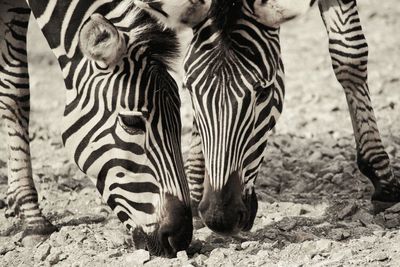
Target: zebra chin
[228, 211]
[172, 234]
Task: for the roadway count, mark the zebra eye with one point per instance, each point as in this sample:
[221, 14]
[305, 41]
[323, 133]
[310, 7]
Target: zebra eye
[262, 94]
[133, 124]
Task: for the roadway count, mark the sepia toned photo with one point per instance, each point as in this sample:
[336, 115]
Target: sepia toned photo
[199, 133]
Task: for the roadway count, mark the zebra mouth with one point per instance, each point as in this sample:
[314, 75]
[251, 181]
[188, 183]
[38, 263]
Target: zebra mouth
[154, 243]
[172, 234]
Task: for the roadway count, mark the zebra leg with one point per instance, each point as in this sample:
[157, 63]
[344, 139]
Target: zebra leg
[349, 52]
[22, 197]
[195, 170]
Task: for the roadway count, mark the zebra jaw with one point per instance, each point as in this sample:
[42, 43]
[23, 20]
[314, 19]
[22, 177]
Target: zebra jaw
[100, 41]
[175, 14]
[273, 13]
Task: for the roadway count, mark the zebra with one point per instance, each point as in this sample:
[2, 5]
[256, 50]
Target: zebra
[121, 122]
[235, 75]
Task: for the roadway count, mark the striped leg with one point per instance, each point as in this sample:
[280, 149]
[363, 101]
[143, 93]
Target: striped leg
[22, 197]
[195, 170]
[349, 53]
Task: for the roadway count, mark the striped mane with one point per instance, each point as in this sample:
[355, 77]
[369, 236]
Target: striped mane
[163, 44]
[225, 13]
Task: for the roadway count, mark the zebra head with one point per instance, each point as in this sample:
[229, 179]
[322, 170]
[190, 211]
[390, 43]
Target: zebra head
[123, 126]
[235, 75]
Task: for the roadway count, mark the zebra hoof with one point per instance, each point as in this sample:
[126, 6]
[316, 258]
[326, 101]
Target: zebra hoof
[35, 234]
[383, 199]
[12, 209]
[10, 213]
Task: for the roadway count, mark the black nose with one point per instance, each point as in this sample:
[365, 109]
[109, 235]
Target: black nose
[172, 234]
[227, 211]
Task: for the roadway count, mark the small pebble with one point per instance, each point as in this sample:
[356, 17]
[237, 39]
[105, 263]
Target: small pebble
[393, 223]
[102, 210]
[217, 254]
[304, 236]
[328, 177]
[394, 209]
[139, 257]
[324, 245]
[31, 241]
[379, 233]
[249, 244]
[54, 257]
[346, 234]
[287, 224]
[114, 254]
[364, 217]
[382, 256]
[234, 247]
[7, 248]
[391, 216]
[182, 256]
[334, 168]
[347, 211]
[316, 155]
[270, 235]
[199, 260]
[337, 179]
[42, 252]
[341, 254]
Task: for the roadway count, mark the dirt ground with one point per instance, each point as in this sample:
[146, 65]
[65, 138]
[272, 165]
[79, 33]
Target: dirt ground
[314, 203]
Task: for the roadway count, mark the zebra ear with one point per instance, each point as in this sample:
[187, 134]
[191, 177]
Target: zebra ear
[176, 14]
[273, 13]
[100, 41]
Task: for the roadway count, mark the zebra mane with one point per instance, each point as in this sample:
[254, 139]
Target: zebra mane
[163, 44]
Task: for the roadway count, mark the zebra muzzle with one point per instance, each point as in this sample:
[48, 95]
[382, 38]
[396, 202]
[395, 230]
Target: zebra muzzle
[173, 233]
[226, 211]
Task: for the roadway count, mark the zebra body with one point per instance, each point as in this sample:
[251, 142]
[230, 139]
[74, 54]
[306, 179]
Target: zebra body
[235, 76]
[122, 120]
